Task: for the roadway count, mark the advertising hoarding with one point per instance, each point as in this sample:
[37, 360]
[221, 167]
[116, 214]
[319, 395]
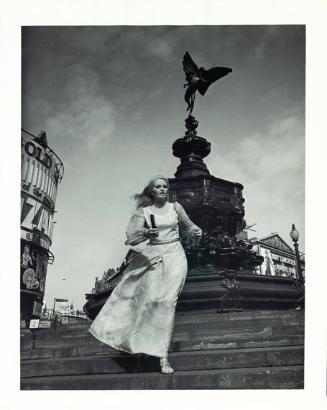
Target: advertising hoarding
[41, 172]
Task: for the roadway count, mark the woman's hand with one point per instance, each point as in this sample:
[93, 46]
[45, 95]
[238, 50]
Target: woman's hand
[197, 233]
[197, 236]
[152, 233]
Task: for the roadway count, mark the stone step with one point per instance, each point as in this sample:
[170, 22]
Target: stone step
[56, 340]
[185, 339]
[185, 320]
[203, 324]
[208, 343]
[294, 316]
[237, 319]
[181, 361]
[276, 377]
[238, 315]
[261, 340]
[199, 331]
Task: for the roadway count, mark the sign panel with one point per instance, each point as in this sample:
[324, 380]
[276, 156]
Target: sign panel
[40, 172]
[37, 308]
[65, 320]
[35, 215]
[275, 264]
[34, 323]
[32, 237]
[62, 306]
[33, 266]
[44, 324]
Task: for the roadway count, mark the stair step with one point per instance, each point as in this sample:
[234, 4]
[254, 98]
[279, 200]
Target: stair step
[286, 377]
[229, 320]
[191, 345]
[52, 339]
[238, 315]
[213, 314]
[201, 360]
[203, 325]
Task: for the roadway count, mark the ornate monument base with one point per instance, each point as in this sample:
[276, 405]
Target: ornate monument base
[214, 204]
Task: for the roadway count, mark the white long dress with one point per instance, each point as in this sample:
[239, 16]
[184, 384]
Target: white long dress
[139, 315]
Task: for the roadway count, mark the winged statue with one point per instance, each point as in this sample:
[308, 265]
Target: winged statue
[199, 79]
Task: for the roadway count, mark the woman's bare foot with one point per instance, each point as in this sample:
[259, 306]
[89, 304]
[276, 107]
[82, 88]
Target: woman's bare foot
[165, 366]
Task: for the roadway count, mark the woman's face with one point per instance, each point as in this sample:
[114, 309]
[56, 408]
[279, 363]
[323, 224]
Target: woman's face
[160, 190]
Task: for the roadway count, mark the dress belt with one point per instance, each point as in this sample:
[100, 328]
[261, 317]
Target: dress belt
[164, 242]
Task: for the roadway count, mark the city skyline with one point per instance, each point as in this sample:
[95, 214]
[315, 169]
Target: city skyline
[113, 96]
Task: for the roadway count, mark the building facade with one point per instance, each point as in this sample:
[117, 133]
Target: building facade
[279, 257]
[41, 172]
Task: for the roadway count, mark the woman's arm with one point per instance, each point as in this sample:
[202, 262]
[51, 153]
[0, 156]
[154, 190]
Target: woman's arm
[188, 227]
[136, 231]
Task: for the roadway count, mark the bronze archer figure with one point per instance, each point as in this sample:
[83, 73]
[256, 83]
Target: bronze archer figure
[199, 79]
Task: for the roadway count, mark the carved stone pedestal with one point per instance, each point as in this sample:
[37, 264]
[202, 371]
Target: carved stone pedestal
[214, 204]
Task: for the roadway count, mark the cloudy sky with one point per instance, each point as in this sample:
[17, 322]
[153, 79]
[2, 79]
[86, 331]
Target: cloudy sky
[111, 101]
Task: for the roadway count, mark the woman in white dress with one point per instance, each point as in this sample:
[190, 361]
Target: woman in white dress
[139, 315]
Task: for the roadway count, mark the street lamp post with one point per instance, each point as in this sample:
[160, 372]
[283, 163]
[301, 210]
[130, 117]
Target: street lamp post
[295, 236]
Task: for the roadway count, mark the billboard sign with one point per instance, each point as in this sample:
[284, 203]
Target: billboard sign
[33, 265]
[275, 264]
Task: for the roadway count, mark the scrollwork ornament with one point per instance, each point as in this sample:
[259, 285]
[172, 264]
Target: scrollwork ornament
[231, 284]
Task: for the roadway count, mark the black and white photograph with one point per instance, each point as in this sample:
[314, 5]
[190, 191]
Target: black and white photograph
[162, 225]
[163, 171]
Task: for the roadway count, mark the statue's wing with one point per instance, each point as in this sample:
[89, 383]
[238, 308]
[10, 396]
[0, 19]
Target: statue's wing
[189, 66]
[210, 76]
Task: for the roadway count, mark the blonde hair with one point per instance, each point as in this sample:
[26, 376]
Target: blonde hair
[145, 197]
